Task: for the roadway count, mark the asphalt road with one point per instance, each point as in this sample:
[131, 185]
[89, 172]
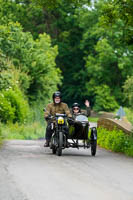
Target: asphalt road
[28, 171]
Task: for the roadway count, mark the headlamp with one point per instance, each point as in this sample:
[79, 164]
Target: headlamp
[60, 120]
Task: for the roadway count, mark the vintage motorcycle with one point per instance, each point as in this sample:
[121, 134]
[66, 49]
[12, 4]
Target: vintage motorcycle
[60, 131]
[74, 131]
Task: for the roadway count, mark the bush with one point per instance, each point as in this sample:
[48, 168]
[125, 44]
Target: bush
[116, 141]
[129, 145]
[6, 110]
[13, 106]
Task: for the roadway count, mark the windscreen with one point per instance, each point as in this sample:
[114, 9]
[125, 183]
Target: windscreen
[81, 118]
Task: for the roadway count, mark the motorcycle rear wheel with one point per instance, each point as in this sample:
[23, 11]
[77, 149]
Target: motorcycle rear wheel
[53, 145]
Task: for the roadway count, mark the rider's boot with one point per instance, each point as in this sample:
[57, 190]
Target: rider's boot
[46, 143]
[67, 145]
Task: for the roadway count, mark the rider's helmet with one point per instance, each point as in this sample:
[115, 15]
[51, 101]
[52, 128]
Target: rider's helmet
[56, 94]
[76, 106]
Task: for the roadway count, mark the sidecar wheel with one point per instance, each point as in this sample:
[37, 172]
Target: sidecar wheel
[93, 147]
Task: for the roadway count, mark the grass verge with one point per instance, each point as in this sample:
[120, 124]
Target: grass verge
[34, 130]
[93, 119]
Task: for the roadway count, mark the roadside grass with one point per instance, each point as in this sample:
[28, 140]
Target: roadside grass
[116, 141]
[34, 130]
[1, 137]
[93, 119]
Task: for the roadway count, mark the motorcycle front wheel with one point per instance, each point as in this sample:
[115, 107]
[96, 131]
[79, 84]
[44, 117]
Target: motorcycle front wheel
[60, 144]
[53, 144]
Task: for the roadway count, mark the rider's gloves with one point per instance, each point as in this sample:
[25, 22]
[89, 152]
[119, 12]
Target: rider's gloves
[48, 118]
[70, 121]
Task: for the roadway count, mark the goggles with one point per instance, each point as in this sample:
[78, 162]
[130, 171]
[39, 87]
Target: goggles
[76, 108]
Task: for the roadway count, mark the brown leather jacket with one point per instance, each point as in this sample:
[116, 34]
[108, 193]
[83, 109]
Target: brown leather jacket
[60, 108]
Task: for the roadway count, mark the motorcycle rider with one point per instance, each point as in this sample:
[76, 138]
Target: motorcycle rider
[77, 110]
[56, 107]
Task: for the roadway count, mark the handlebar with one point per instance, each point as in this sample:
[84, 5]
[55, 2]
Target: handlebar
[50, 117]
[60, 115]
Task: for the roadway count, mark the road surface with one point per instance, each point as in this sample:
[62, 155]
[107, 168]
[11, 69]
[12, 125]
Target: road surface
[28, 171]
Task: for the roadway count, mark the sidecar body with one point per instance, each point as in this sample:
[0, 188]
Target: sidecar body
[80, 135]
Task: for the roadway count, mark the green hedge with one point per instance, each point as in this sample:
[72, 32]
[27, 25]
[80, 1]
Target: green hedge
[13, 106]
[116, 141]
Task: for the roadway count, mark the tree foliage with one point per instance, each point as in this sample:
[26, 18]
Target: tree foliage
[114, 11]
[52, 4]
[91, 45]
[34, 58]
[109, 60]
[104, 100]
[27, 68]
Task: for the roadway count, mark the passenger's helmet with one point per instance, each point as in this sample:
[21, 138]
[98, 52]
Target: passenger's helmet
[56, 94]
[75, 105]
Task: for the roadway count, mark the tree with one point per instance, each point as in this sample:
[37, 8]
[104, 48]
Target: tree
[34, 58]
[109, 60]
[113, 11]
[60, 20]
[93, 46]
[52, 4]
[104, 100]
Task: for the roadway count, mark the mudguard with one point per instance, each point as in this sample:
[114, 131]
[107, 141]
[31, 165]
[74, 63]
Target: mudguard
[93, 133]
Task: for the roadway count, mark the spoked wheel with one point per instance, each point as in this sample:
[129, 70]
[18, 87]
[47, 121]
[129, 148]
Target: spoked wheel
[93, 147]
[60, 144]
[53, 145]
